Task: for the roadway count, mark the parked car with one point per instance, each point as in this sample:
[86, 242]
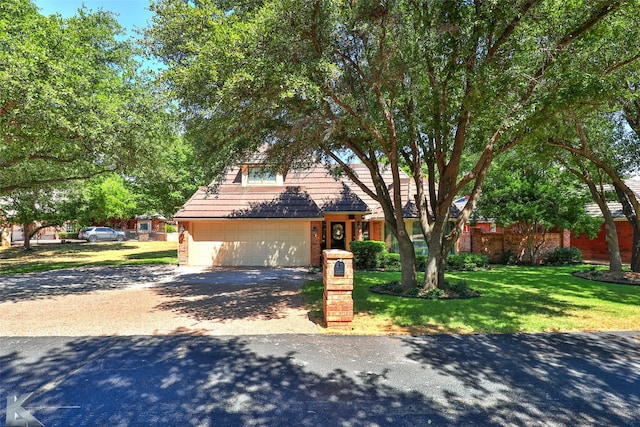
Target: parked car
[93, 234]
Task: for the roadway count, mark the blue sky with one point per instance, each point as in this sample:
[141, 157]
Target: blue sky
[130, 13]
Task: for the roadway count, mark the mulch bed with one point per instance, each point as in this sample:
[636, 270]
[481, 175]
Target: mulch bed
[394, 289]
[623, 278]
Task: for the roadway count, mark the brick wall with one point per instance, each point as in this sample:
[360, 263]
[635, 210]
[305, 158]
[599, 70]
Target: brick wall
[493, 245]
[597, 250]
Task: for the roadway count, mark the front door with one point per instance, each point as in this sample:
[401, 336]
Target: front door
[338, 235]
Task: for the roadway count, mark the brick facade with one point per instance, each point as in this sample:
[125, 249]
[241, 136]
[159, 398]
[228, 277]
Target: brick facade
[597, 250]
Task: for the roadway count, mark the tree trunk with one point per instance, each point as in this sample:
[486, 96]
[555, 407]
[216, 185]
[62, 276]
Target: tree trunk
[615, 260]
[531, 248]
[631, 208]
[407, 260]
[27, 231]
[434, 271]
[635, 252]
[436, 259]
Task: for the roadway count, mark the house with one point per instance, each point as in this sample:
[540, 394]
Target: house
[596, 249]
[257, 218]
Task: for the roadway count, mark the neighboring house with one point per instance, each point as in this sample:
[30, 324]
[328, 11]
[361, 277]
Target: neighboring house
[256, 218]
[147, 223]
[596, 249]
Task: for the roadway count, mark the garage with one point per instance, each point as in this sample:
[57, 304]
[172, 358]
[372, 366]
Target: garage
[264, 243]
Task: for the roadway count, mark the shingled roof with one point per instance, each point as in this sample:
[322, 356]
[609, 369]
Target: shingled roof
[615, 207]
[305, 194]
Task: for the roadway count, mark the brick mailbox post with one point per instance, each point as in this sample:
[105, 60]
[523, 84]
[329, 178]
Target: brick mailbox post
[337, 277]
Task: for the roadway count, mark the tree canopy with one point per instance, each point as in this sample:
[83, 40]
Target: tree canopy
[536, 195]
[73, 103]
[441, 87]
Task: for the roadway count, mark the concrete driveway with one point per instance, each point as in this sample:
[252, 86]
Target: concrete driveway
[154, 300]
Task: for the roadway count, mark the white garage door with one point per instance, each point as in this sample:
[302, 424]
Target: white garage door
[273, 243]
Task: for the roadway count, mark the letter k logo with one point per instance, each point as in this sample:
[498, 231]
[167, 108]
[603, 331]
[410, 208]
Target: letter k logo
[17, 416]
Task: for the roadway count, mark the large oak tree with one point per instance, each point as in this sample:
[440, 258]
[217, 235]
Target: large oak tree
[440, 87]
[73, 102]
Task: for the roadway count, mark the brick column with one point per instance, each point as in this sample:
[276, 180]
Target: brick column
[183, 248]
[338, 287]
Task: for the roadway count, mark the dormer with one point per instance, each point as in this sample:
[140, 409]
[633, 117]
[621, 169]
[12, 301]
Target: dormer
[256, 175]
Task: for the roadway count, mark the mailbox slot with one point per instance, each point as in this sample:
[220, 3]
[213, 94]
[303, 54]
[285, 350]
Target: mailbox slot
[338, 268]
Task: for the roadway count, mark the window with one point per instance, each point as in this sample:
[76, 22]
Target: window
[261, 176]
[144, 226]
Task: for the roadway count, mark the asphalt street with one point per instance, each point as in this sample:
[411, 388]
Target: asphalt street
[320, 380]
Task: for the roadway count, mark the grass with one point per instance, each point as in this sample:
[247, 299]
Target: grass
[16, 260]
[514, 299]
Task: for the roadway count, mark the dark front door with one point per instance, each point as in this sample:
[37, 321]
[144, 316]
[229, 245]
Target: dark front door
[337, 235]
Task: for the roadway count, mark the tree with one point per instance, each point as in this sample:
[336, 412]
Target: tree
[72, 102]
[536, 196]
[34, 209]
[108, 198]
[614, 156]
[428, 85]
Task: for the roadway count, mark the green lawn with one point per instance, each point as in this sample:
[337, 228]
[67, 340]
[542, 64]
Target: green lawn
[514, 299]
[16, 260]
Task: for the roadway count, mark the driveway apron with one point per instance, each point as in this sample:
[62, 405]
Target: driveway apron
[154, 300]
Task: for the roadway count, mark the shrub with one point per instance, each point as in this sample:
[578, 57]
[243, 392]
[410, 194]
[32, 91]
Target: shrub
[508, 257]
[467, 262]
[421, 262]
[564, 256]
[367, 254]
[170, 228]
[64, 235]
[435, 293]
[391, 261]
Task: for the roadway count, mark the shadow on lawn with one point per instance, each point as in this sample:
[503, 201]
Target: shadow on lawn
[62, 249]
[509, 297]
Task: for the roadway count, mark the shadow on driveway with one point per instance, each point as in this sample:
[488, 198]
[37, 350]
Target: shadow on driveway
[226, 294]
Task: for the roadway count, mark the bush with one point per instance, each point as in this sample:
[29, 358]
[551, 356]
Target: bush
[508, 257]
[367, 254]
[467, 262]
[64, 235]
[391, 261]
[421, 262]
[564, 256]
[170, 228]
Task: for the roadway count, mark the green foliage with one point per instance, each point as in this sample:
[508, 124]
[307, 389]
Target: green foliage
[391, 261]
[109, 198]
[564, 256]
[508, 257]
[73, 103]
[467, 262]
[536, 194]
[514, 299]
[367, 254]
[441, 82]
